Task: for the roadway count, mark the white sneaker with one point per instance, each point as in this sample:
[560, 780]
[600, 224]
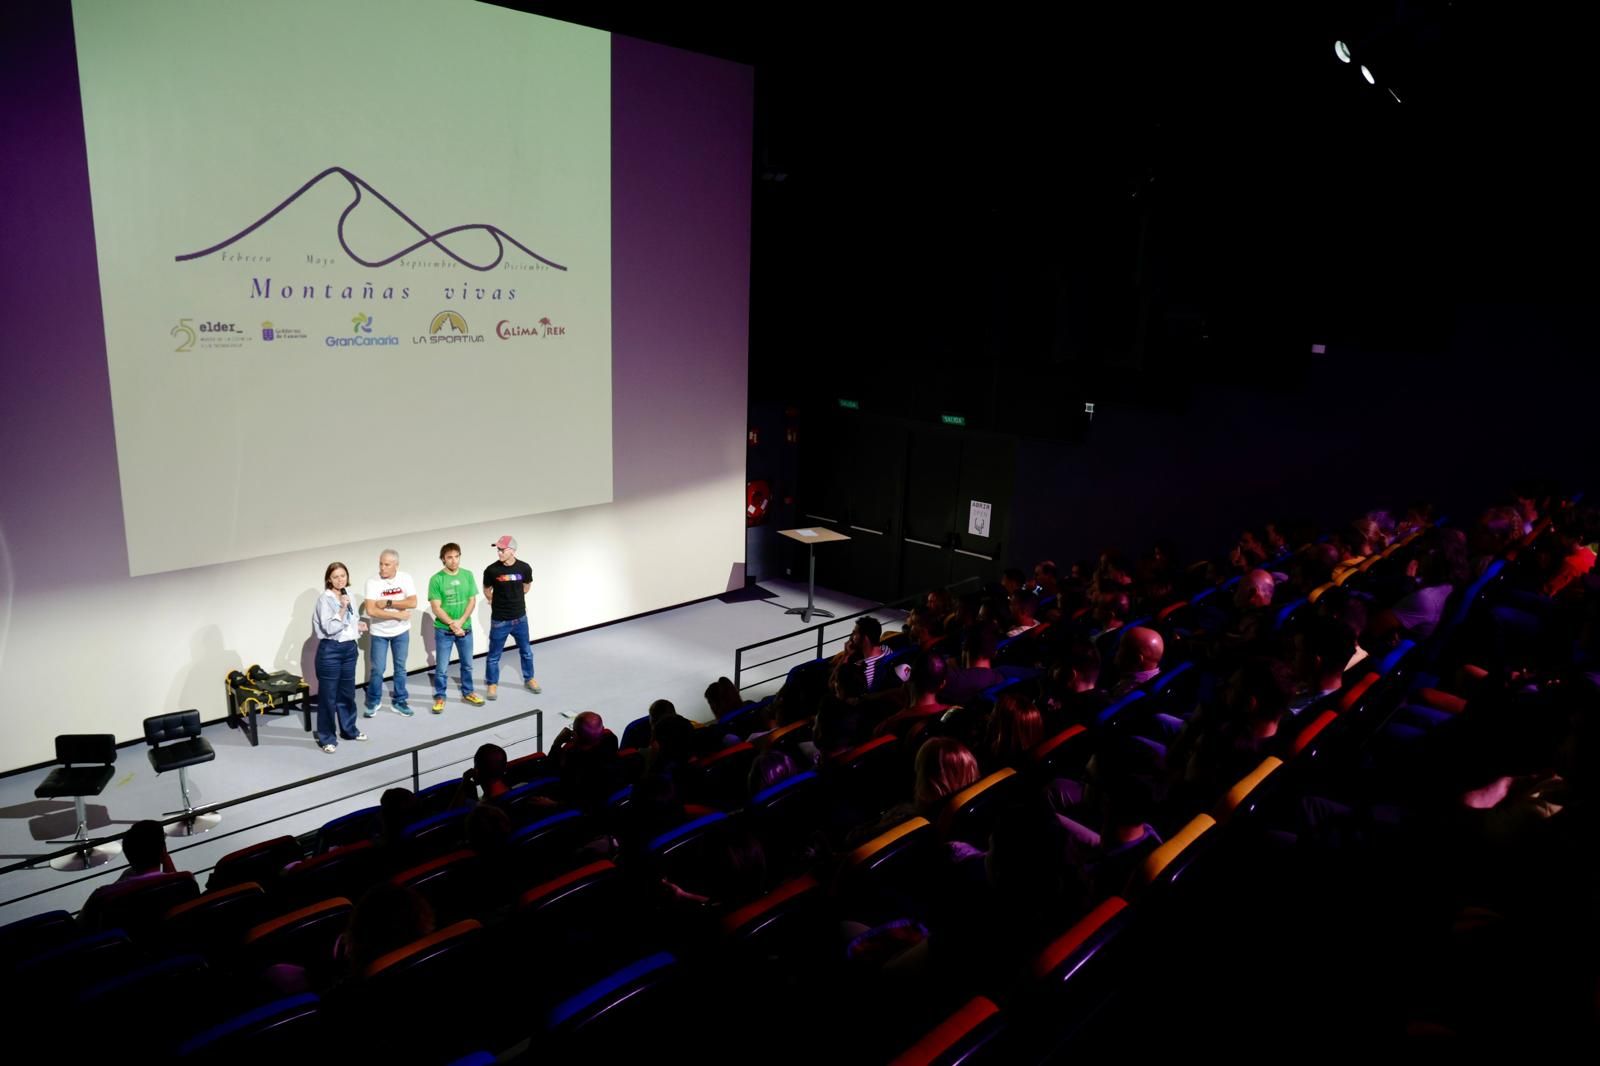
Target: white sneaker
[330, 748]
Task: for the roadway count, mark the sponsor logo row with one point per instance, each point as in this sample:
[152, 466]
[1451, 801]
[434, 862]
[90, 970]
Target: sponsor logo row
[445, 328]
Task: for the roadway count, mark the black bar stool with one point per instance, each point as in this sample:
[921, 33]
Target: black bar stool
[86, 760]
[185, 747]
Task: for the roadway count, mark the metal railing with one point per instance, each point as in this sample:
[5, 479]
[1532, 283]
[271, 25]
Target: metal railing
[210, 808]
[739, 666]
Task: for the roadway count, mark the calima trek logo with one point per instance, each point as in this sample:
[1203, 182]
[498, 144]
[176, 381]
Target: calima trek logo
[361, 334]
[207, 335]
[507, 329]
[448, 327]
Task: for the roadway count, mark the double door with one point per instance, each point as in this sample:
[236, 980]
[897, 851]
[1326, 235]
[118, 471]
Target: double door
[923, 505]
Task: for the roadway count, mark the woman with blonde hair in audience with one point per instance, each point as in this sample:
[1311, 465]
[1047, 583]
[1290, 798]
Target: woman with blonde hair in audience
[944, 767]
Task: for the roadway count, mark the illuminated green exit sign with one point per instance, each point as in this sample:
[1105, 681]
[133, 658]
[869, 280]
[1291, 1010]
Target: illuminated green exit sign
[953, 420]
[850, 405]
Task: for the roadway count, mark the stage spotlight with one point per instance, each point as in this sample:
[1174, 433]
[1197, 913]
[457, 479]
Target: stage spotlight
[1341, 50]
[1365, 73]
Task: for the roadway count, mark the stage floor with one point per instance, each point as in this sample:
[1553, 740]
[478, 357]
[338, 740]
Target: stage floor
[616, 670]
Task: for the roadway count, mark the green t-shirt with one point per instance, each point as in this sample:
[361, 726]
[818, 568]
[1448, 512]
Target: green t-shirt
[453, 591]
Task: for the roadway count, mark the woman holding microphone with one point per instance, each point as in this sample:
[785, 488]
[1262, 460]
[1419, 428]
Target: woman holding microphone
[337, 625]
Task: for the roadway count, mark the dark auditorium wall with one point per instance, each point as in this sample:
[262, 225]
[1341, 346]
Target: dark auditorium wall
[1507, 396]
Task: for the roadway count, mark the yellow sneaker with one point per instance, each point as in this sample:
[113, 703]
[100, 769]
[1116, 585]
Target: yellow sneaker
[438, 705]
[494, 692]
[533, 686]
[474, 699]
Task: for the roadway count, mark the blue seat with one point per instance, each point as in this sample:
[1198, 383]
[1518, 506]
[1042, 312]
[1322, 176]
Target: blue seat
[75, 964]
[435, 798]
[1286, 613]
[1117, 707]
[1391, 661]
[261, 1034]
[615, 1002]
[30, 936]
[544, 848]
[683, 854]
[636, 734]
[365, 824]
[437, 834]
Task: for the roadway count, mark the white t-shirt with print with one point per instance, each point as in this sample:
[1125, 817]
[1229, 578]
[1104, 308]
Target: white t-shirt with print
[399, 587]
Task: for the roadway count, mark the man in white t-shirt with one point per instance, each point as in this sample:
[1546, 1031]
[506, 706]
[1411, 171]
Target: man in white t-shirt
[390, 599]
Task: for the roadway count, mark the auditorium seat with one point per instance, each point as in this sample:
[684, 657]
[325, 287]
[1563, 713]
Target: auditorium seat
[435, 835]
[436, 799]
[531, 800]
[967, 1036]
[60, 971]
[528, 767]
[214, 922]
[346, 871]
[719, 780]
[279, 1031]
[37, 933]
[1056, 755]
[179, 984]
[620, 1016]
[786, 738]
[872, 775]
[1168, 862]
[260, 863]
[968, 815]
[365, 824]
[444, 972]
[548, 846]
[1118, 708]
[454, 884]
[885, 878]
[1246, 794]
[136, 906]
[686, 855]
[303, 937]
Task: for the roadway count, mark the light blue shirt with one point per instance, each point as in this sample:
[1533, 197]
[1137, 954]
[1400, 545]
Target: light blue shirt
[328, 622]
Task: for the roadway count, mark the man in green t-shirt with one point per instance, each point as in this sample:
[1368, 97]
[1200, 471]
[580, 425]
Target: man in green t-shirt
[453, 593]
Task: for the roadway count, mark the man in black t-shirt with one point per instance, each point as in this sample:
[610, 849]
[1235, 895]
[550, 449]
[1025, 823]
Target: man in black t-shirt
[505, 586]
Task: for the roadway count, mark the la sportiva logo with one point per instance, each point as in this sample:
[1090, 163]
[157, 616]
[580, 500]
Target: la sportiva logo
[448, 327]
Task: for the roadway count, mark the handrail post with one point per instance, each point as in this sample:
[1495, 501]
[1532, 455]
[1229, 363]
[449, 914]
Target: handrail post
[819, 640]
[738, 668]
[538, 730]
[416, 774]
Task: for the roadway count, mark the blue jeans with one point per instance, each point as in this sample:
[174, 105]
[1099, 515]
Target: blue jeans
[377, 655]
[498, 632]
[443, 641]
[336, 690]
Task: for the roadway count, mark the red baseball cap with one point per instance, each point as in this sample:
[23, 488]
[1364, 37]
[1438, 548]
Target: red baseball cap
[505, 542]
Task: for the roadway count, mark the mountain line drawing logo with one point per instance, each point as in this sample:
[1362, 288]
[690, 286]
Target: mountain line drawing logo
[357, 186]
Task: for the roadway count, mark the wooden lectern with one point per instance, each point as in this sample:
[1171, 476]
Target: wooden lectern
[811, 537]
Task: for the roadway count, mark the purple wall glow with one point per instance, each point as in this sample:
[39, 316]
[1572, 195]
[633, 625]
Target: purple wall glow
[58, 456]
[681, 149]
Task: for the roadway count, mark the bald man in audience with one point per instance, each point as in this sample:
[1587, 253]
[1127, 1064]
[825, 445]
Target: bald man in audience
[1138, 659]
